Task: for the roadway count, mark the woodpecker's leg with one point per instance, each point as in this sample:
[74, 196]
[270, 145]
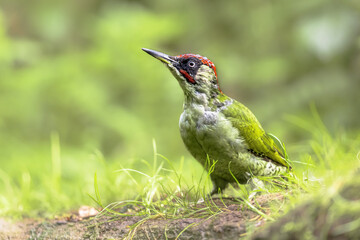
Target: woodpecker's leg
[219, 185]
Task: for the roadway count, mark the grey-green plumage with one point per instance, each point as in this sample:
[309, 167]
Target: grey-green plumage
[216, 128]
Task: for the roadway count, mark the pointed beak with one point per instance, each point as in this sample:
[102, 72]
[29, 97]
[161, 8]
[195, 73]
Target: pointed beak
[161, 56]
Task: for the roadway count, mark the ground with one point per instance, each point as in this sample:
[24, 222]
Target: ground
[233, 221]
[331, 214]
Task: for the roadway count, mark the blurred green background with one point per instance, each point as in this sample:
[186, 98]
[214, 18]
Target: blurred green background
[77, 94]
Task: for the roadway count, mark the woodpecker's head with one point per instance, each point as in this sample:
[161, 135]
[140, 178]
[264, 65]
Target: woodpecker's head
[195, 74]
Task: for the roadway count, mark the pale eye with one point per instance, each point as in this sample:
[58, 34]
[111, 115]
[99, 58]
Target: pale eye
[191, 64]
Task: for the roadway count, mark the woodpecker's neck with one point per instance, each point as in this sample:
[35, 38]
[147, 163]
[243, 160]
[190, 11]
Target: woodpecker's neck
[200, 95]
[203, 90]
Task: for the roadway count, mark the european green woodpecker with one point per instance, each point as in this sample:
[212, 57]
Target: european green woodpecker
[218, 131]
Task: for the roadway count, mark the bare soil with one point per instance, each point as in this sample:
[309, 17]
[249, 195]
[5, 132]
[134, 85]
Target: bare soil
[234, 221]
[331, 214]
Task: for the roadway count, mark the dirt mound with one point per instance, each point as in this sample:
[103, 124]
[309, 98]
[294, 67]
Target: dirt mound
[332, 215]
[232, 221]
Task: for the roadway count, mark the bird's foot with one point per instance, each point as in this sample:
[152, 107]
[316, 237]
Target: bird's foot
[201, 200]
[252, 195]
[256, 186]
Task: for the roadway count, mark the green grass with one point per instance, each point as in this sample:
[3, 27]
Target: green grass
[168, 192]
[164, 187]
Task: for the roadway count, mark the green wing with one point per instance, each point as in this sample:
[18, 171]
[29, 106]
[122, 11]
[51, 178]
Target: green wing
[257, 139]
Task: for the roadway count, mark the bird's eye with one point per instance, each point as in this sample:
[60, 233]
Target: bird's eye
[191, 64]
